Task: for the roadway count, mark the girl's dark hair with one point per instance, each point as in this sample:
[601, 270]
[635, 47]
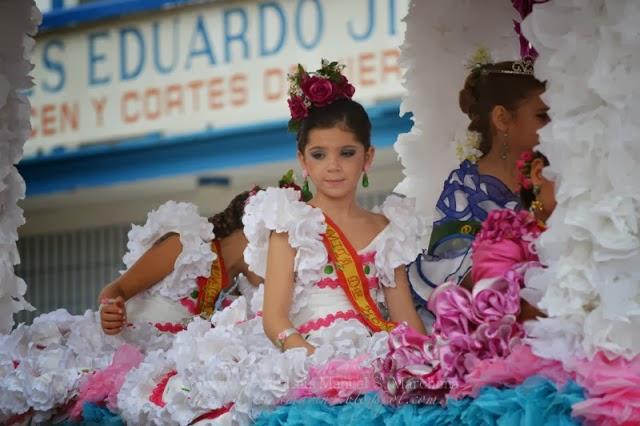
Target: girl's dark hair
[346, 113]
[230, 219]
[526, 195]
[486, 88]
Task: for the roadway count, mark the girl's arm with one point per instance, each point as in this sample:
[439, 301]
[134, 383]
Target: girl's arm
[400, 302]
[153, 266]
[278, 292]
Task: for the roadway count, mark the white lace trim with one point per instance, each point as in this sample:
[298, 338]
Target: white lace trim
[196, 234]
[401, 241]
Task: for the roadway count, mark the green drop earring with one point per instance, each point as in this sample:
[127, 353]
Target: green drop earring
[306, 192]
[365, 180]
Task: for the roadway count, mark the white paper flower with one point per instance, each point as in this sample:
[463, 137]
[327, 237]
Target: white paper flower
[467, 146]
[19, 21]
[590, 57]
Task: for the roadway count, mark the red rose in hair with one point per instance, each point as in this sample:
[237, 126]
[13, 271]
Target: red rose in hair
[348, 90]
[297, 108]
[320, 91]
[345, 88]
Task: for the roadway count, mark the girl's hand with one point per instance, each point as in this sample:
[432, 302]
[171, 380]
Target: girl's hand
[310, 348]
[113, 315]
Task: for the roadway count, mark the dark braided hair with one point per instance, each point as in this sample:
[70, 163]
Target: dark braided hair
[484, 90]
[230, 219]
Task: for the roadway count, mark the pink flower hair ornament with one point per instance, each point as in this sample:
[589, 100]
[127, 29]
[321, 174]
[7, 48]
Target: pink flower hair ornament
[524, 169]
[309, 90]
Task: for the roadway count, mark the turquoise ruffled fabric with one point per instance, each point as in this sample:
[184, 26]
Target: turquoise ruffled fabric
[536, 402]
[97, 415]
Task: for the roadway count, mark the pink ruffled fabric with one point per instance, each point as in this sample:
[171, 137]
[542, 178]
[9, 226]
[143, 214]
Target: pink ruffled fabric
[104, 385]
[337, 381]
[506, 238]
[453, 308]
[511, 370]
[410, 371]
[613, 388]
[471, 327]
[493, 298]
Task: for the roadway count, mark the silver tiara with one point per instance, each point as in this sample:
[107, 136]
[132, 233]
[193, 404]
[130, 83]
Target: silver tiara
[523, 66]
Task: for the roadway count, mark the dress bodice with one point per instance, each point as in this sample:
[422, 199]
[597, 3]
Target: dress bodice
[319, 300]
[328, 302]
[466, 199]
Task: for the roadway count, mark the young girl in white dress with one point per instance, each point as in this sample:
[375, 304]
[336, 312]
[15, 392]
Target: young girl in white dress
[179, 265]
[334, 279]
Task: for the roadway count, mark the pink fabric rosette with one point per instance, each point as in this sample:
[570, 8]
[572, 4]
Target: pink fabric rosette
[452, 306]
[410, 371]
[506, 239]
[497, 338]
[457, 355]
[493, 298]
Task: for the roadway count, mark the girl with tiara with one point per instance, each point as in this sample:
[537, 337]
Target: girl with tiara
[334, 279]
[176, 268]
[503, 102]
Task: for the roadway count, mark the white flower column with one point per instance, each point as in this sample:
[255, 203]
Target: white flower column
[590, 55]
[440, 38]
[19, 20]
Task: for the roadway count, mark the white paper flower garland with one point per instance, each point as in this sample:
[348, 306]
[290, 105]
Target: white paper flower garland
[438, 42]
[19, 20]
[590, 55]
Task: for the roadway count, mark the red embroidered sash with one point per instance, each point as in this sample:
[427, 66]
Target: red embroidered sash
[218, 279]
[352, 277]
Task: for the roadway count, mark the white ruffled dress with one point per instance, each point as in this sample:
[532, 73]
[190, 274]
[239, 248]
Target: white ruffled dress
[169, 300]
[235, 363]
[41, 364]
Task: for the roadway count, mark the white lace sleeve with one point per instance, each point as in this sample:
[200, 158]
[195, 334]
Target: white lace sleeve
[402, 240]
[195, 233]
[280, 210]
